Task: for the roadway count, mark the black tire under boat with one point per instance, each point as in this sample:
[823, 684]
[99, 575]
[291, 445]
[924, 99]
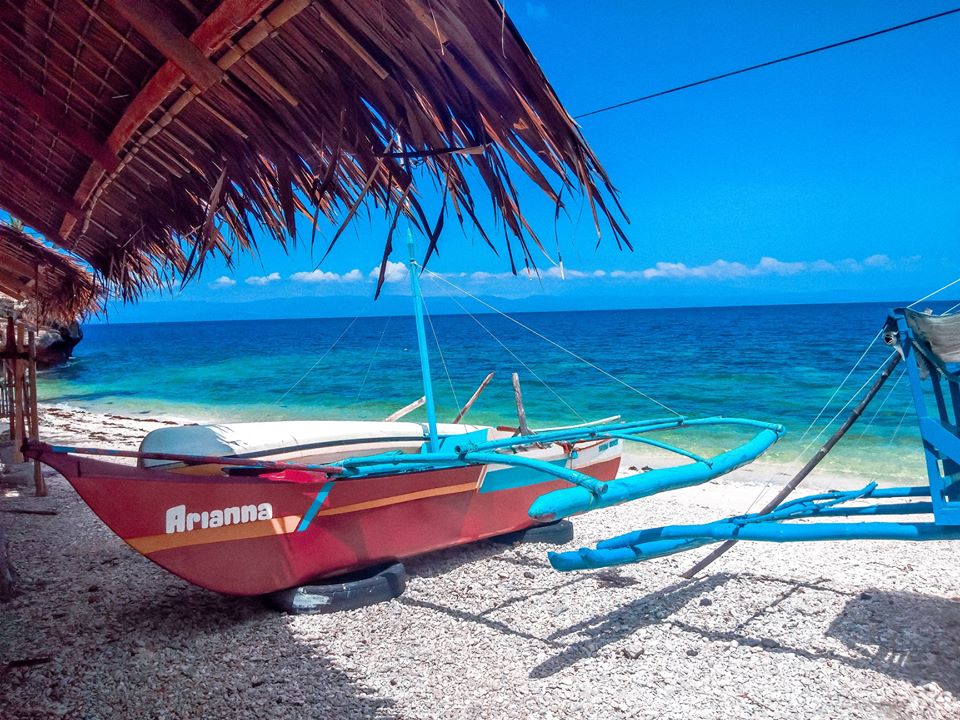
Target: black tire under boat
[347, 592]
[554, 533]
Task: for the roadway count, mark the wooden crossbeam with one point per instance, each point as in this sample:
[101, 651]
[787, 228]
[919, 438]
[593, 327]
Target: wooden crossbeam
[52, 115]
[9, 287]
[25, 271]
[20, 174]
[219, 25]
[29, 218]
[155, 25]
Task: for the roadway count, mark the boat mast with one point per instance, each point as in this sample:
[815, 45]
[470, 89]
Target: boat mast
[422, 344]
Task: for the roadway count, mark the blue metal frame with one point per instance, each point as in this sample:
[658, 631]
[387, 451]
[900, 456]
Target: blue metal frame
[941, 444]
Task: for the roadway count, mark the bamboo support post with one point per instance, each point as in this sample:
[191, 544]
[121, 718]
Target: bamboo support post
[38, 482]
[521, 413]
[473, 398]
[18, 399]
[787, 489]
[406, 410]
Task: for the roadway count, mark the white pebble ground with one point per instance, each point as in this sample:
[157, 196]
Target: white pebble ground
[829, 630]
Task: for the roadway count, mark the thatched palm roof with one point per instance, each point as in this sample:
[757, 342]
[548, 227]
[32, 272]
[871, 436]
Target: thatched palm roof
[141, 136]
[51, 284]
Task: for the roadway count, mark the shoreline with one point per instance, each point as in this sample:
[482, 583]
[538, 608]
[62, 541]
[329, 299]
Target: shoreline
[73, 425]
[855, 629]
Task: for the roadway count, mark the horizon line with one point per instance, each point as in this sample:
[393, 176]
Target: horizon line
[889, 303]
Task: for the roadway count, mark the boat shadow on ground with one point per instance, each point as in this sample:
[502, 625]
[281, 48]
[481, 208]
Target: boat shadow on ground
[203, 644]
[906, 636]
[600, 631]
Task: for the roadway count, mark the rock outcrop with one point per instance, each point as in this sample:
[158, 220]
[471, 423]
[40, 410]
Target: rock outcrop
[55, 341]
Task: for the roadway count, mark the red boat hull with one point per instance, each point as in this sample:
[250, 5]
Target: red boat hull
[254, 535]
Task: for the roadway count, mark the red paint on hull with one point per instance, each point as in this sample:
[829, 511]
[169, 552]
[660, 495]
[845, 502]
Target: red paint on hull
[361, 522]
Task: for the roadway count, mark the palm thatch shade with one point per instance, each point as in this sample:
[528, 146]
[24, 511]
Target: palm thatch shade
[142, 136]
[52, 285]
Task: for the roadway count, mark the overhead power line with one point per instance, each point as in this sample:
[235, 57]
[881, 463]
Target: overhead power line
[768, 63]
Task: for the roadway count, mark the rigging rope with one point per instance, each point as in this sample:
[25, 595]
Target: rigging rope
[900, 424]
[935, 292]
[372, 358]
[320, 359]
[546, 339]
[846, 405]
[443, 361]
[768, 63]
[861, 358]
[842, 383]
[518, 359]
[880, 407]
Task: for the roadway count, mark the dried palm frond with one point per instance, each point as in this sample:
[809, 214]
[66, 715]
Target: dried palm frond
[321, 109]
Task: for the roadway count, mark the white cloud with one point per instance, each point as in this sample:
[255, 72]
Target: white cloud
[481, 276]
[395, 272]
[772, 266]
[223, 282]
[726, 270]
[262, 279]
[877, 261]
[323, 276]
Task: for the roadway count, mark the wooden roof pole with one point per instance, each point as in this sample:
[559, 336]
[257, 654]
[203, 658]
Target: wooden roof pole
[53, 116]
[24, 176]
[26, 267]
[21, 211]
[224, 21]
[155, 25]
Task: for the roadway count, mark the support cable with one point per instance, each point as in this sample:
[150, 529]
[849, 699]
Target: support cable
[768, 63]
[373, 357]
[518, 359]
[548, 340]
[443, 362]
[321, 358]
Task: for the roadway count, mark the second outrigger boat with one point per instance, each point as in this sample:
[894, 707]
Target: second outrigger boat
[250, 509]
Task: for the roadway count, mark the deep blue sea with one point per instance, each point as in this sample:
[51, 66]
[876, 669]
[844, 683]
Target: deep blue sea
[776, 363]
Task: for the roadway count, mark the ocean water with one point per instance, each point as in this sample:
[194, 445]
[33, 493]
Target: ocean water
[775, 363]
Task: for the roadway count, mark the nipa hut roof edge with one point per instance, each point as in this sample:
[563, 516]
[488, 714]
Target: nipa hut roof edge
[52, 285]
[142, 137]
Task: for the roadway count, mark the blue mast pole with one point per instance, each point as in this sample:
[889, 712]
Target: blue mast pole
[422, 344]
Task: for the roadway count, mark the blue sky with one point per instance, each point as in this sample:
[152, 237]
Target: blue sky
[830, 178]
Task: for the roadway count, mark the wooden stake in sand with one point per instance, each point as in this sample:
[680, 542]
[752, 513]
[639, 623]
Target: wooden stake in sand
[16, 335]
[405, 410]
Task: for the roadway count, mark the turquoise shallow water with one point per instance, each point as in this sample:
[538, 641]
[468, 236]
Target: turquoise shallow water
[769, 363]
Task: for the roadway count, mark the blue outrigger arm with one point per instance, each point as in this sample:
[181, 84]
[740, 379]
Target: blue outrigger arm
[570, 501]
[587, 492]
[930, 347]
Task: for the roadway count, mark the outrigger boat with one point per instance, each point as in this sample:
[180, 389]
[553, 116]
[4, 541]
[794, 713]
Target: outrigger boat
[250, 509]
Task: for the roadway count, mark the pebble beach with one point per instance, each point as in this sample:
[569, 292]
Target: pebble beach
[828, 630]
